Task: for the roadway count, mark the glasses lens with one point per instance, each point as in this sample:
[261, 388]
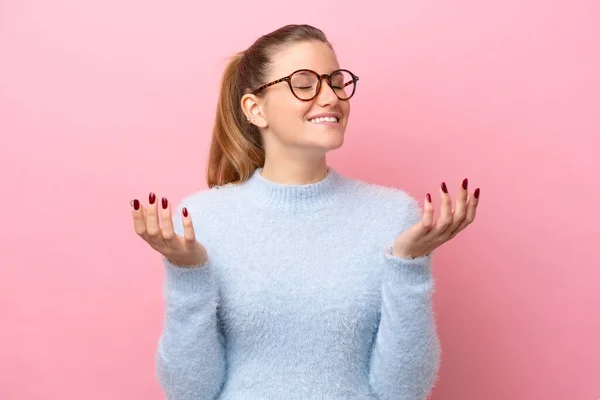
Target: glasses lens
[304, 84]
[342, 84]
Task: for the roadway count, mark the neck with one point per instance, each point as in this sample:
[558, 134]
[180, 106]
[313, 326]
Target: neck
[294, 173]
[295, 197]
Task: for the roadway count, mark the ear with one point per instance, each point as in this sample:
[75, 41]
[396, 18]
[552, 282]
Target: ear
[252, 108]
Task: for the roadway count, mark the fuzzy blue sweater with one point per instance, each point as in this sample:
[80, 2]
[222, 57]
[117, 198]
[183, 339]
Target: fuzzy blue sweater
[301, 297]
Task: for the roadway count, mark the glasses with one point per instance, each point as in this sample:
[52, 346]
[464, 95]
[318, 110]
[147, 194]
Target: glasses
[305, 84]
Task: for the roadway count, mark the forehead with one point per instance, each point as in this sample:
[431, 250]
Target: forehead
[314, 55]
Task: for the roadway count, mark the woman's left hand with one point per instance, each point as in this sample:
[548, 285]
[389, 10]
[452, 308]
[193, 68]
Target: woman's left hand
[423, 237]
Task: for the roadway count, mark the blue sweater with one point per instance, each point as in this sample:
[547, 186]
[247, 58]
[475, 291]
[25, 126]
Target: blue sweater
[301, 297]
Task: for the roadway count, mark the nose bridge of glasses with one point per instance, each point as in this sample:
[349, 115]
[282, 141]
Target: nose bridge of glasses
[327, 79]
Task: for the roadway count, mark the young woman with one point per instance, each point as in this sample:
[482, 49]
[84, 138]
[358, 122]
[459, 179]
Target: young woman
[285, 279]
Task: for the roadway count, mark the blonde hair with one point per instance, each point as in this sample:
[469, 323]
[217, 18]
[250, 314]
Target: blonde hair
[236, 148]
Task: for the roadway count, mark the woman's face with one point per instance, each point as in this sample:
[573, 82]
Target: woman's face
[290, 122]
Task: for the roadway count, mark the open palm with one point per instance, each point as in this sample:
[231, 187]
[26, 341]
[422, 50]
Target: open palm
[426, 235]
[156, 228]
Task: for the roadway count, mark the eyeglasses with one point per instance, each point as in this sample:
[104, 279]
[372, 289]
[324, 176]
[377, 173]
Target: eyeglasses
[305, 84]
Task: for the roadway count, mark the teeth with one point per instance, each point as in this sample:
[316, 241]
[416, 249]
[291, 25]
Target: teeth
[324, 119]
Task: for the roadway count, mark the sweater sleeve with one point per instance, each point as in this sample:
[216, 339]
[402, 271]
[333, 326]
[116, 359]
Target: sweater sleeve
[406, 353]
[190, 359]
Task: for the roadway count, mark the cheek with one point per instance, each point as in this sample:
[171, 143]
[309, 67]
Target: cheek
[287, 113]
[345, 106]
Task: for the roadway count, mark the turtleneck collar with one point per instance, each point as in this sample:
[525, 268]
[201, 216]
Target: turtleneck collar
[293, 197]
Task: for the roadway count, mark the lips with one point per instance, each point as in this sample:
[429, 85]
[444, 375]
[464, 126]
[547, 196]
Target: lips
[335, 115]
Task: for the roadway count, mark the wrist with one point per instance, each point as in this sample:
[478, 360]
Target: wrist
[401, 254]
[407, 255]
[188, 263]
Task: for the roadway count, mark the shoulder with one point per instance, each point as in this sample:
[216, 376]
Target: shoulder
[388, 202]
[209, 200]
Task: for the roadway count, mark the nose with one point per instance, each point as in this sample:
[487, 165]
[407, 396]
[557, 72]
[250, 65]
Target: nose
[326, 94]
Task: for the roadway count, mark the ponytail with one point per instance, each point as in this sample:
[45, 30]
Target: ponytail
[236, 147]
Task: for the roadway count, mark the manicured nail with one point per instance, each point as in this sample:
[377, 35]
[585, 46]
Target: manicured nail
[165, 203]
[465, 184]
[185, 212]
[444, 188]
[152, 198]
[476, 194]
[136, 204]
[428, 197]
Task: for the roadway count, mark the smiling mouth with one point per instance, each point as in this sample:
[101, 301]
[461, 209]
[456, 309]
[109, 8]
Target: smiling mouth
[321, 120]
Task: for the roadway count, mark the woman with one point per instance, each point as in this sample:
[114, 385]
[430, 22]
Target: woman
[285, 279]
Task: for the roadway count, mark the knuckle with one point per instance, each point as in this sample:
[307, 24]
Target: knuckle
[189, 239]
[461, 215]
[153, 232]
[169, 235]
[445, 222]
[140, 231]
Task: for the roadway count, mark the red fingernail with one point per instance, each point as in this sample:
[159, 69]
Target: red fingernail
[444, 188]
[185, 212]
[465, 183]
[428, 197]
[136, 204]
[165, 203]
[152, 198]
[476, 194]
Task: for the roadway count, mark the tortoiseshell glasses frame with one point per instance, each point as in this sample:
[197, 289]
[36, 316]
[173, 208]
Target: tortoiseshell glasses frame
[320, 78]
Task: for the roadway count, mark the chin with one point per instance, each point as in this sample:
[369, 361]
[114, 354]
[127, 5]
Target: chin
[328, 143]
[323, 138]
[336, 144]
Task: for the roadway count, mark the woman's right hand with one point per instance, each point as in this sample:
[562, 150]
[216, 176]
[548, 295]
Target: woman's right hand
[183, 251]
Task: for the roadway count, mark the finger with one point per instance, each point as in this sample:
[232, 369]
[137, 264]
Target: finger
[470, 214]
[472, 208]
[152, 223]
[168, 232]
[139, 222]
[188, 226]
[445, 219]
[461, 205]
[427, 220]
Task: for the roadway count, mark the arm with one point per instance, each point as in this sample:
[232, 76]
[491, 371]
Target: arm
[406, 352]
[190, 359]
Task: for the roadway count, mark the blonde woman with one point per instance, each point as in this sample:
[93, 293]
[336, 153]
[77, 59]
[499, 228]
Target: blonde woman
[286, 279]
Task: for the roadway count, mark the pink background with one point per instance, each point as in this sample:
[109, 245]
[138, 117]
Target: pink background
[103, 101]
